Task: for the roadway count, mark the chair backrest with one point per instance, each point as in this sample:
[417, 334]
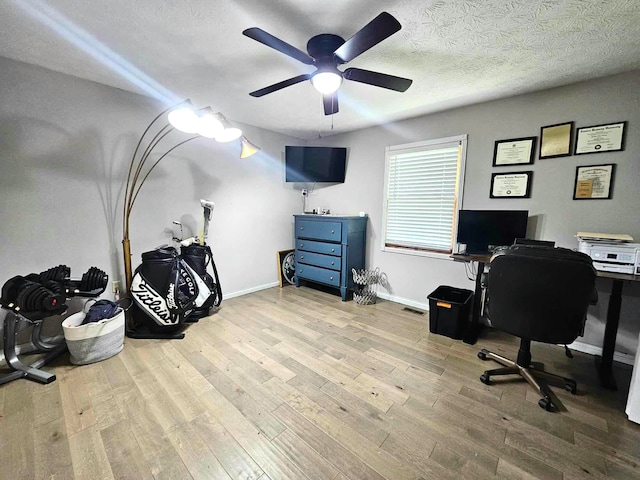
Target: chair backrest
[532, 242]
[540, 293]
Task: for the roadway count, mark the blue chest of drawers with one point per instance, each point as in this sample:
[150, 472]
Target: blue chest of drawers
[327, 248]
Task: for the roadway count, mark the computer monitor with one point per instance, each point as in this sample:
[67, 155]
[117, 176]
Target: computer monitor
[480, 229]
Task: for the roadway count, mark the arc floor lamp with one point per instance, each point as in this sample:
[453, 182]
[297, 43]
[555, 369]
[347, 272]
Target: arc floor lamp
[185, 118]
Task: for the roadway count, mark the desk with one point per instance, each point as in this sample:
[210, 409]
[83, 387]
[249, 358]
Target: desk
[605, 366]
[607, 379]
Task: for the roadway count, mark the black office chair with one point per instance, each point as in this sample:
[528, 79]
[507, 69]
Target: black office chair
[539, 294]
[532, 242]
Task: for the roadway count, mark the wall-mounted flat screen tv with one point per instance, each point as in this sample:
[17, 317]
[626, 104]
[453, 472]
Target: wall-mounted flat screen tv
[480, 228]
[315, 164]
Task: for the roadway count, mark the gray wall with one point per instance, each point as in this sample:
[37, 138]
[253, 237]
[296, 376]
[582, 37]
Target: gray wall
[556, 215]
[65, 147]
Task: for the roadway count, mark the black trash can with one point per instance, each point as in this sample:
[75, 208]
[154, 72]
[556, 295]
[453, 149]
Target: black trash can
[449, 310]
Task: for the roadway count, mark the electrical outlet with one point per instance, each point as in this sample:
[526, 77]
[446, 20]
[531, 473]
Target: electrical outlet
[116, 286]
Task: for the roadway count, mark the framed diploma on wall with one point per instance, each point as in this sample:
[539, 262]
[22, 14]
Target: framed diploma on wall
[600, 138]
[555, 140]
[511, 185]
[594, 182]
[516, 151]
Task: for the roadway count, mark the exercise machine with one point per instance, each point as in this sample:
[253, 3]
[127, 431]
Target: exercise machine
[27, 301]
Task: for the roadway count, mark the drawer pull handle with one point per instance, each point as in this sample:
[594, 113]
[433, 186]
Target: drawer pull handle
[333, 263]
[301, 228]
[301, 245]
[333, 231]
[333, 250]
[301, 257]
[330, 278]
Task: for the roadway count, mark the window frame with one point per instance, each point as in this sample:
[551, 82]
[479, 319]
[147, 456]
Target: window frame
[433, 144]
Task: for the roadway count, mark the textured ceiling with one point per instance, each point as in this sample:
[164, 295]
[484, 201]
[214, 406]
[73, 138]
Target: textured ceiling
[456, 52]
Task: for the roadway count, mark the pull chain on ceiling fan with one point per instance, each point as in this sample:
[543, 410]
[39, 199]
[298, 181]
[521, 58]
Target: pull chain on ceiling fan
[326, 51]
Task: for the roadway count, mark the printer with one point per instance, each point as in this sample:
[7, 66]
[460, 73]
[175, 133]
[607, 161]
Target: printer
[611, 252]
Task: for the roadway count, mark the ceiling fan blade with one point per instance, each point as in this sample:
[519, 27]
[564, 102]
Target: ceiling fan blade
[280, 85]
[381, 27]
[283, 47]
[330, 102]
[377, 79]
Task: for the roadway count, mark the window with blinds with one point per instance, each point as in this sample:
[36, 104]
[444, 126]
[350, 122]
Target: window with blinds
[423, 188]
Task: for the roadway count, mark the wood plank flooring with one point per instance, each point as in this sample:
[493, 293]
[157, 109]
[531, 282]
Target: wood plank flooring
[292, 383]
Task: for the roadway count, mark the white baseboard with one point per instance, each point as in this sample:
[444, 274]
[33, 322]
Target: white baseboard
[250, 290]
[404, 301]
[625, 358]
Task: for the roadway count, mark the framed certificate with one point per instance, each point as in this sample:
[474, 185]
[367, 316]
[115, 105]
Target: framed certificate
[511, 185]
[594, 182]
[516, 151]
[600, 138]
[555, 140]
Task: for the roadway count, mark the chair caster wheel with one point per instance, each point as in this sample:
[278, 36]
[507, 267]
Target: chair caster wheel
[482, 354]
[484, 378]
[571, 387]
[545, 404]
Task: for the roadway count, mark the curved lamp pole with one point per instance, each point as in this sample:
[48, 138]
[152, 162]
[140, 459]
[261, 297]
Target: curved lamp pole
[183, 117]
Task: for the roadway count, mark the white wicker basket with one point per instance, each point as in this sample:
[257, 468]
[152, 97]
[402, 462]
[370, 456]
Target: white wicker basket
[365, 297]
[366, 277]
[365, 280]
[95, 341]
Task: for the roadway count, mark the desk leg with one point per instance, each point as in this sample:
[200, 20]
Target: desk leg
[607, 379]
[473, 328]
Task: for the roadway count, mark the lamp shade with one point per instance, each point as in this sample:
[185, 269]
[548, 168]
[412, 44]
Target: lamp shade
[229, 133]
[210, 125]
[184, 118]
[248, 148]
[326, 82]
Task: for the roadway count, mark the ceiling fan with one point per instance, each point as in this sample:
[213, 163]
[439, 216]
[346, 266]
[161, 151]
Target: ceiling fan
[326, 51]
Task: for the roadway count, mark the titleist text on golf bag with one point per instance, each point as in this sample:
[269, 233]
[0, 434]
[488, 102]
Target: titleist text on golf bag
[164, 289]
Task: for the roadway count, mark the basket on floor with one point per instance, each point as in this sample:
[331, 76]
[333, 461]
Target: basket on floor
[365, 297]
[365, 281]
[96, 341]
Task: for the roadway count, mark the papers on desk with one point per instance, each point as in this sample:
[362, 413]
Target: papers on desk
[604, 237]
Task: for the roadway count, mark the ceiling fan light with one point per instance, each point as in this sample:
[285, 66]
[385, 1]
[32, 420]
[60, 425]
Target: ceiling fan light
[210, 125]
[326, 82]
[184, 118]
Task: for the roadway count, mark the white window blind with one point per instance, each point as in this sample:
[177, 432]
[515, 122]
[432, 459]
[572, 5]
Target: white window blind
[422, 189]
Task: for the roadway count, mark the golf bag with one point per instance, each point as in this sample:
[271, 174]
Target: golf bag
[199, 257]
[166, 292]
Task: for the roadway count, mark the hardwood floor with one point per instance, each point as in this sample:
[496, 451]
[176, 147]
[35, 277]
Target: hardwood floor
[292, 383]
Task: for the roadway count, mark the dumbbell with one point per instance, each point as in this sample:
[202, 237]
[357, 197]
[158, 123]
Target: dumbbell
[92, 283]
[18, 293]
